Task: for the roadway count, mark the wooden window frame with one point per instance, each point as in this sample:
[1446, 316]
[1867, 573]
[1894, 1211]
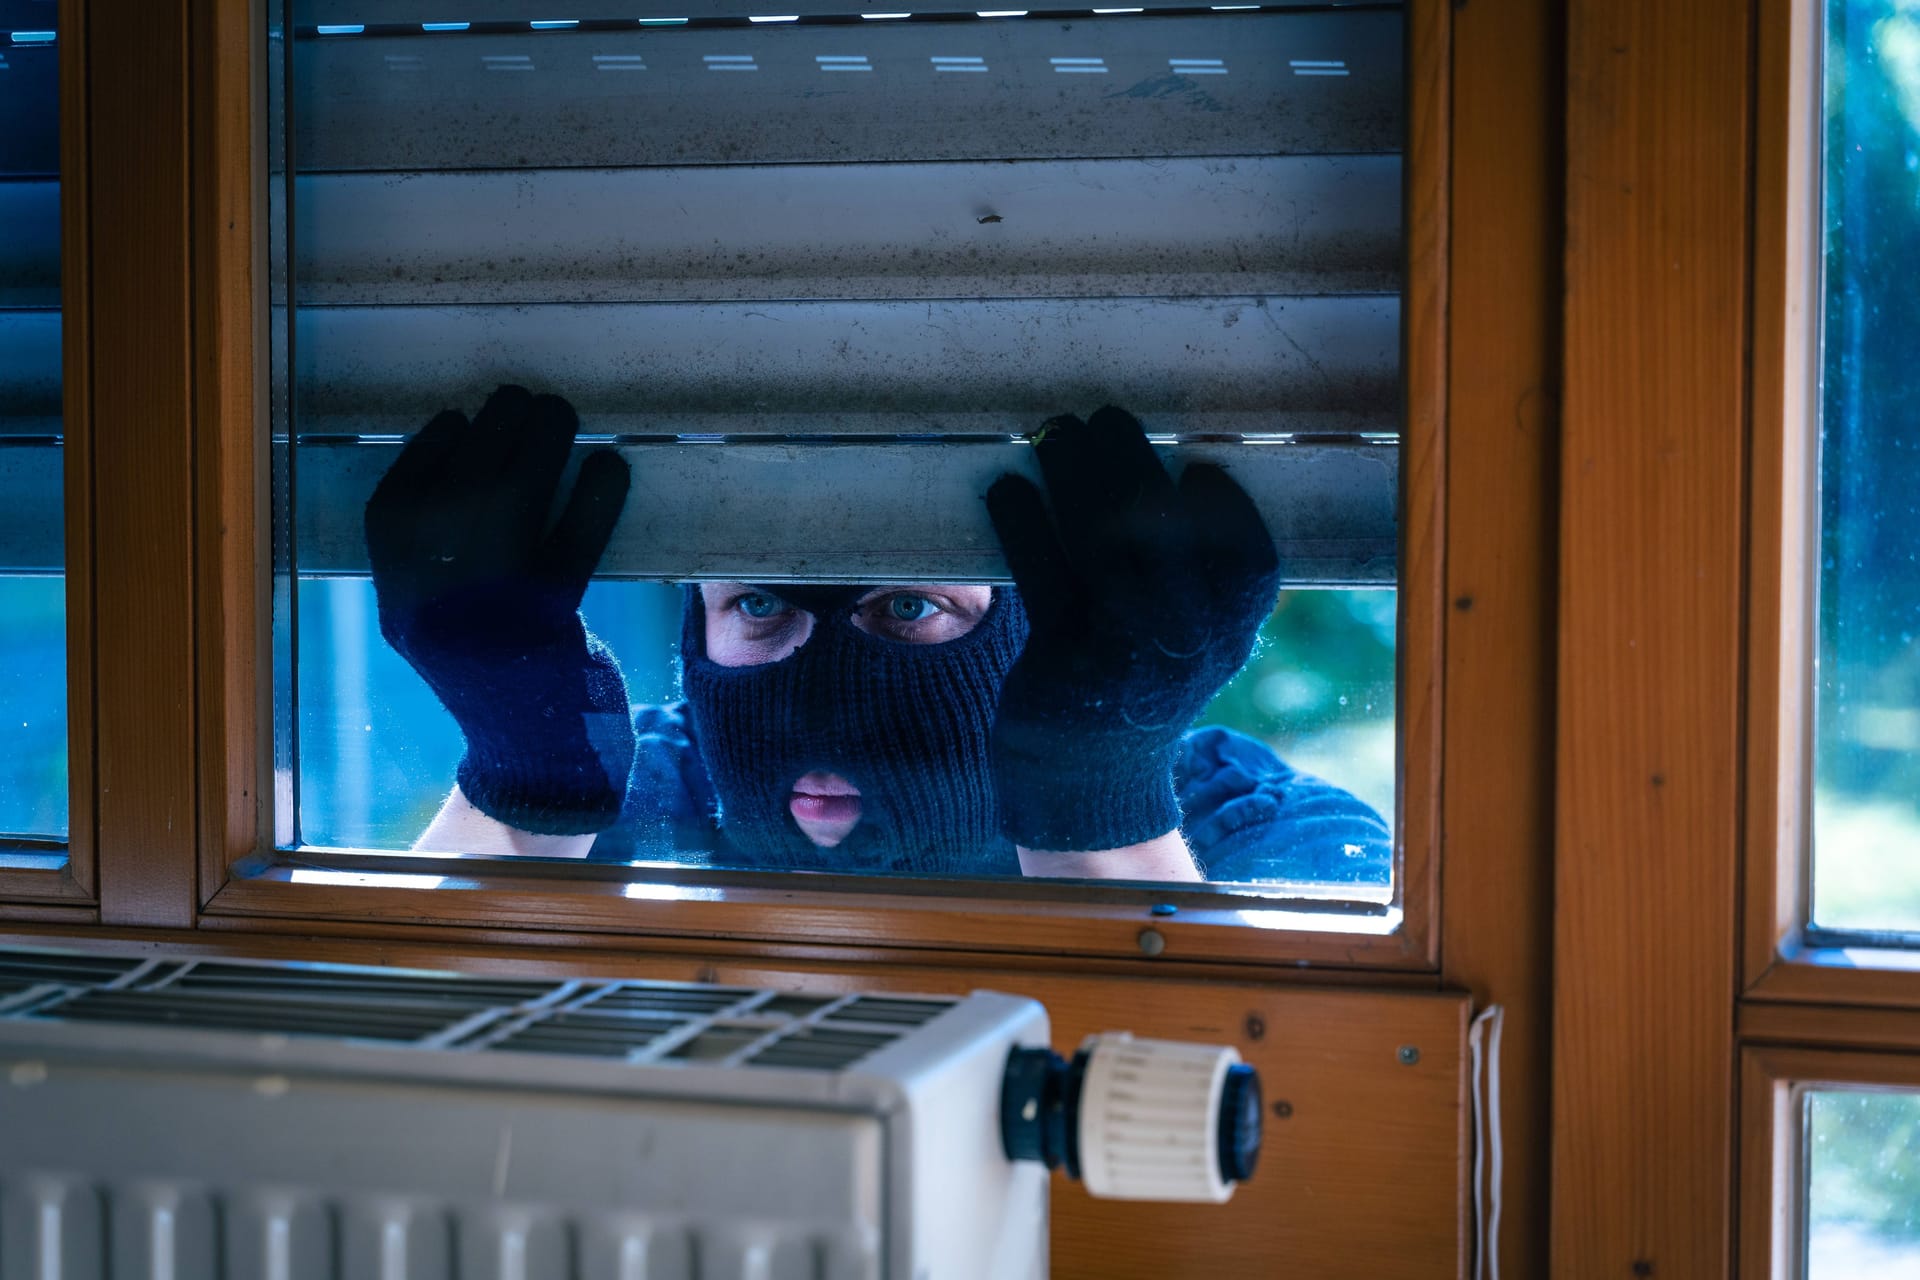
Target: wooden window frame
[172, 779]
[1774, 1082]
[1779, 960]
[1811, 1014]
[243, 879]
[1650, 722]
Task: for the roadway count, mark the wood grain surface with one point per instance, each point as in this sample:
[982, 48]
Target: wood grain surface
[232, 568]
[141, 326]
[1503, 451]
[1419, 648]
[1647, 827]
[1782, 504]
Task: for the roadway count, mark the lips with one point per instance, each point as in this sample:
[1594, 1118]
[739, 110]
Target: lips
[811, 808]
[825, 804]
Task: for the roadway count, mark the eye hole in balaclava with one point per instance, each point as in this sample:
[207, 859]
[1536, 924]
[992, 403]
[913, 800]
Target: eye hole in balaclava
[908, 724]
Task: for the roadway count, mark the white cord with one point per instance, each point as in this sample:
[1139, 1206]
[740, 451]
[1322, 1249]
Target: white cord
[1484, 1034]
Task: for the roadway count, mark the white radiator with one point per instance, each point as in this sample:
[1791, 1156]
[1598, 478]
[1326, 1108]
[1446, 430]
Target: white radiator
[238, 1120]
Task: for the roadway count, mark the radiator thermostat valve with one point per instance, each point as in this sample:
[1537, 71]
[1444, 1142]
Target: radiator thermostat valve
[1136, 1119]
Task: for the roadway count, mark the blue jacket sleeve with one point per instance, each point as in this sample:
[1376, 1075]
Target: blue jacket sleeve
[669, 811]
[1247, 815]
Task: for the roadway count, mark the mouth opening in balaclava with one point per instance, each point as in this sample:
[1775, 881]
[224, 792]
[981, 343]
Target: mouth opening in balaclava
[908, 724]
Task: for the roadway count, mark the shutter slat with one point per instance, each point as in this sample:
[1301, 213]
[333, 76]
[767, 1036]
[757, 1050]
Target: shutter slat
[540, 100]
[1089, 228]
[986, 366]
[29, 373]
[787, 512]
[29, 244]
[310, 13]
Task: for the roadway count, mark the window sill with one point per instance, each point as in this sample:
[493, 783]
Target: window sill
[38, 872]
[1868, 975]
[1210, 926]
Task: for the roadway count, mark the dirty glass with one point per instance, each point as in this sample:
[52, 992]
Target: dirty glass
[33, 648]
[1863, 1184]
[647, 392]
[1867, 753]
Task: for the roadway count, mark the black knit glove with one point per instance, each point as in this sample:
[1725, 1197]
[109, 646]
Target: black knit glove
[483, 601]
[1144, 598]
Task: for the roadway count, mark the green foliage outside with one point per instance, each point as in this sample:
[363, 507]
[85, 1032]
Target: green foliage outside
[1319, 689]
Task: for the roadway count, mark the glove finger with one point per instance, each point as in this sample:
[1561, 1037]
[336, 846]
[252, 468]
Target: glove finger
[394, 508]
[1226, 522]
[425, 452]
[1032, 550]
[484, 447]
[1100, 471]
[539, 456]
[586, 526]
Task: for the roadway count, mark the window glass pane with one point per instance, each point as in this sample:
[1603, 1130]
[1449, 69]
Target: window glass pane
[1863, 1184]
[33, 648]
[805, 292]
[378, 749]
[1867, 806]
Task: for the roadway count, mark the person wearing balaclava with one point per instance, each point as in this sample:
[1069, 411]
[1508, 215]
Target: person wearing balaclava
[908, 724]
[1050, 738]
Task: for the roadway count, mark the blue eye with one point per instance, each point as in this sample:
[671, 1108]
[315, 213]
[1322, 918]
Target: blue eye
[760, 605]
[905, 608]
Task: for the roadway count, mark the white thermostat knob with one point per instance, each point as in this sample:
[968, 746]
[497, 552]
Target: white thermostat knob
[1136, 1119]
[1161, 1120]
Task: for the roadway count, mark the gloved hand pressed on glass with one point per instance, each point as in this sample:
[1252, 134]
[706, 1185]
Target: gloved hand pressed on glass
[483, 600]
[1144, 598]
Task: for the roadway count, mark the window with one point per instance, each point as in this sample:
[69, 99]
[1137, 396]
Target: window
[1863, 1213]
[1829, 1072]
[1828, 1147]
[824, 294]
[33, 656]
[187, 753]
[1867, 752]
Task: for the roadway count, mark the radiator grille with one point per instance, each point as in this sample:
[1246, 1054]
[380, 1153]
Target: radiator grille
[219, 1012]
[820, 1049]
[27, 969]
[663, 1022]
[435, 991]
[902, 1013]
[587, 1035]
[660, 998]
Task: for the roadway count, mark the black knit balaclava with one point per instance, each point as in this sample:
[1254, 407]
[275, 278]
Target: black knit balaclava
[908, 724]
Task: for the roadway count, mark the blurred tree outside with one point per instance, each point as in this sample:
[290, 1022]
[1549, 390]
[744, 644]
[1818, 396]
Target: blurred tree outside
[1863, 1194]
[1319, 689]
